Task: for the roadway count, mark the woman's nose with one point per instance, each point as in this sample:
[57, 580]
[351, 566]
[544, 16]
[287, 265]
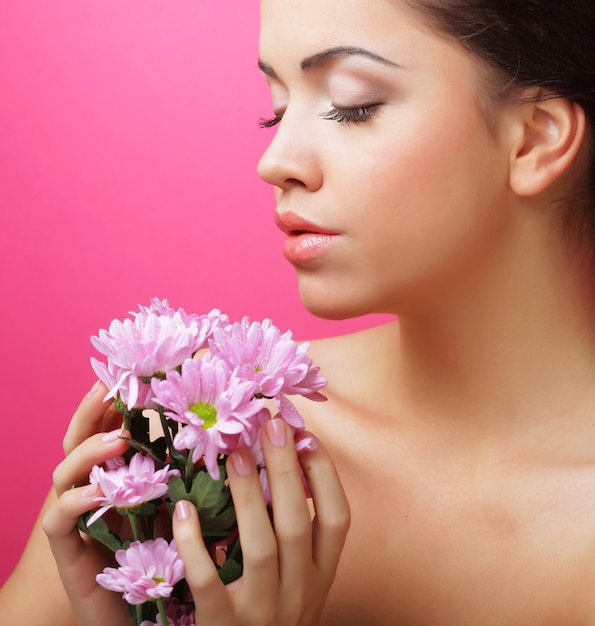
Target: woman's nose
[291, 158]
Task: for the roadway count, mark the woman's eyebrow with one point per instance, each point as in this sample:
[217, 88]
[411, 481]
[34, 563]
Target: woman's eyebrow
[321, 58]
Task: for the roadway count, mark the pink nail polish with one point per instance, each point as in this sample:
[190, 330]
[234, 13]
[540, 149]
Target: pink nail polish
[182, 509]
[112, 436]
[307, 442]
[94, 388]
[277, 432]
[242, 463]
[312, 445]
[89, 491]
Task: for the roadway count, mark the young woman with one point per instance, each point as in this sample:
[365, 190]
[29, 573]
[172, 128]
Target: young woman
[434, 160]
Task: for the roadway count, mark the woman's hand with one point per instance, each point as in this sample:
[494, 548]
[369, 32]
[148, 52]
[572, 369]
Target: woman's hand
[289, 564]
[78, 557]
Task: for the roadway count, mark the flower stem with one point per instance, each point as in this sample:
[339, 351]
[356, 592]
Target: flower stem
[144, 524]
[189, 470]
[166, 432]
[162, 613]
[134, 525]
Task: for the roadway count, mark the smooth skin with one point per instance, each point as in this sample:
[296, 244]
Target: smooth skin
[463, 433]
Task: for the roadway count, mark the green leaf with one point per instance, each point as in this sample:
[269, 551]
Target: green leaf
[221, 525]
[231, 570]
[213, 501]
[99, 530]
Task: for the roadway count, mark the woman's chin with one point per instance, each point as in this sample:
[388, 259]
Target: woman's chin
[331, 308]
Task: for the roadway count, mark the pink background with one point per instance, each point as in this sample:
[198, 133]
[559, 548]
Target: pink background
[128, 147]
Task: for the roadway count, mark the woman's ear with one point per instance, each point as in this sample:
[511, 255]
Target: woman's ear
[549, 135]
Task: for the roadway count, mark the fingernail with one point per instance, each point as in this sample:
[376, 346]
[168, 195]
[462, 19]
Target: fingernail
[182, 510]
[277, 432]
[94, 388]
[89, 491]
[242, 463]
[114, 435]
[307, 443]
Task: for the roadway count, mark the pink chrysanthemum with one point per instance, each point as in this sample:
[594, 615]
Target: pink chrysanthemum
[162, 308]
[129, 486]
[215, 319]
[214, 405]
[277, 363]
[134, 393]
[148, 571]
[146, 346]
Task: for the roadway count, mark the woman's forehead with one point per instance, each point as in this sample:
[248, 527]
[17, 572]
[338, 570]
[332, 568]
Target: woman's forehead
[301, 29]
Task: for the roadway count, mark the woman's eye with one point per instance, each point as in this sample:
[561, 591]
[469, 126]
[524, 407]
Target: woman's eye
[343, 116]
[268, 122]
[347, 116]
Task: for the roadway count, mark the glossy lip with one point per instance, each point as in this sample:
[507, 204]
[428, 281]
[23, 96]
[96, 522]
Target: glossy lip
[306, 242]
[292, 224]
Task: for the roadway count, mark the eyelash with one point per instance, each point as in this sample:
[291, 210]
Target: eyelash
[343, 116]
[269, 122]
[348, 116]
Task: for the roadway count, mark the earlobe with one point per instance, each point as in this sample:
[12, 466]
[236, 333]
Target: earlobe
[551, 133]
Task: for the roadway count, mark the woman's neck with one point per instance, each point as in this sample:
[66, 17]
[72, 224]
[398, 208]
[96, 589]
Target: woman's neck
[515, 340]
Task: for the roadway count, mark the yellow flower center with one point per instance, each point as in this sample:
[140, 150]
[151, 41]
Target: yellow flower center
[207, 413]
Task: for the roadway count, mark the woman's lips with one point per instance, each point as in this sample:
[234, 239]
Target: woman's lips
[292, 224]
[305, 241]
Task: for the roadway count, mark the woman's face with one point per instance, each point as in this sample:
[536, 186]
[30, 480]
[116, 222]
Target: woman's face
[389, 181]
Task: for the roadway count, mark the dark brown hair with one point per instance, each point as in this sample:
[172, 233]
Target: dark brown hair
[545, 44]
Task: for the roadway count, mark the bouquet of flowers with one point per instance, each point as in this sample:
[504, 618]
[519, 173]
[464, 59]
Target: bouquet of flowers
[206, 386]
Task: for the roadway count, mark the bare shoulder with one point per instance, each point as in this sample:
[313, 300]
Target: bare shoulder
[421, 499]
[358, 372]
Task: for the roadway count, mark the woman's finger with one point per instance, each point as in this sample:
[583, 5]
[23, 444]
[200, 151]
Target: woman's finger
[213, 606]
[80, 559]
[291, 515]
[75, 468]
[260, 577]
[60, 523]
[93, 415]
[332, 515]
